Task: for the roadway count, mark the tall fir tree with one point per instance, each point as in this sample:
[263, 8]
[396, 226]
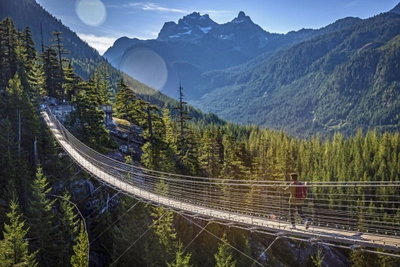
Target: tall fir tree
[80, 258]
[8, 51]
[40, 219]
[224, 256]
[14, 246]
[181, 260]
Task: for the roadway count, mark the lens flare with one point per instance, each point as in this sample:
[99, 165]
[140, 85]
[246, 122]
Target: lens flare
[146, 66]
[91, 12]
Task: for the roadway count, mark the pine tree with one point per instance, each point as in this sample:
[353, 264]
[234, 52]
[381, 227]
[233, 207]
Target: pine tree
[182, 118]
[159, 152]
[181, 260]
[211, 152]
[59, 47]
[67, 227]
[53, 77]
[71, 81]
[14, 246]
[81, 249]
[40, 218]
[87, 119]
[129, 106]
[361, 259]
[164, 227]
[224, 257]
[8, 51]
[130, 247]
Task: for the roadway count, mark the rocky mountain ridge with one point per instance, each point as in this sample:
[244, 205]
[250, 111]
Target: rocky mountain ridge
[185, 51]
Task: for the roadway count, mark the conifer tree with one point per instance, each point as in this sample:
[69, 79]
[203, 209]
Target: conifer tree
[233, 167]
[40, 219]
[71, 81]
[164, 227]
[81, 249]
[130, 246]
[14, 246]
[129, 106]
[59, 48]
[182, 118]
[53, 77]
[8, 51]
[224, 256]
[210, 153]
[104, 91]
[67, 228]
[360, 258]
[181, 260]
[87, 119]
[159, 152]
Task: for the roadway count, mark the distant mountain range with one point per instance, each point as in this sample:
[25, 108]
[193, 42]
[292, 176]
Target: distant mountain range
[186, 51]
[338, 78]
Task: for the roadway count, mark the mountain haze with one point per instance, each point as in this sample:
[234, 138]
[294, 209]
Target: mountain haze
[336, 78]
[338, 81]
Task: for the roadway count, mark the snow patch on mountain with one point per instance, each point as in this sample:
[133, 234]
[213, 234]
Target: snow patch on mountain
[180, 34]
[205, 29]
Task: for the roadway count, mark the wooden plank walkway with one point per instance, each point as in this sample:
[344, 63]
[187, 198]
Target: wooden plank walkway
[340, 236]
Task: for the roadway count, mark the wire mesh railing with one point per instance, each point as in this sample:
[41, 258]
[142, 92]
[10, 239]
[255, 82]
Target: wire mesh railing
[347, 206]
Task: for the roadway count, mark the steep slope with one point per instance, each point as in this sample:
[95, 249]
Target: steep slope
[339, 81]
[186, 52]
[42, 24]
[27, 13]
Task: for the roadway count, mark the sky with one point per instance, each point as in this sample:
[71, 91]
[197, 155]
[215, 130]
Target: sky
[101, 22]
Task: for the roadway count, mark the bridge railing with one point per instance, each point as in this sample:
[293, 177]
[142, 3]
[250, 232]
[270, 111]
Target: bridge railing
[349, 206]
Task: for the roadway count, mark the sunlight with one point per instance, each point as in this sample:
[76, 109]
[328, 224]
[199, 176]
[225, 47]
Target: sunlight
[91, 12]
[145, 65]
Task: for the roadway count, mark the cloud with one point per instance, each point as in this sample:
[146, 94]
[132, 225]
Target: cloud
[155, 7]
[100, 43]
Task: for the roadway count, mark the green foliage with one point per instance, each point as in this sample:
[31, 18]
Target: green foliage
[224, 257]
[40, 219]
[339, 81]
[81, 249]
[87, 119]
[318, 259]
[181, 260]
[356, 82]
[14, 246]
[360, 258]
[67, 227]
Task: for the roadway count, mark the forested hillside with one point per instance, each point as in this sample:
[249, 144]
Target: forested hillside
[54, 214]
[339, 81]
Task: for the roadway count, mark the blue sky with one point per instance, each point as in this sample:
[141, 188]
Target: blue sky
[101, 22]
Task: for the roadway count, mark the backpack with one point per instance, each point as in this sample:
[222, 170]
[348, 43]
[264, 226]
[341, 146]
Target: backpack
[301, 191]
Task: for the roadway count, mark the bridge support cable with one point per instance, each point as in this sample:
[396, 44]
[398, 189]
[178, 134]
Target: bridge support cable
[134, 242]
[338, 212]
[276, 238]
[193, 239]
[241, 252]
[114, 222]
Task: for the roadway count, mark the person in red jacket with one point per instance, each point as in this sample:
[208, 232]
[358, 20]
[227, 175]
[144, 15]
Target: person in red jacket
[294, 203]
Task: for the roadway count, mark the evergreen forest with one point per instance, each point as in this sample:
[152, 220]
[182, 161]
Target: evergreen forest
[48, 218]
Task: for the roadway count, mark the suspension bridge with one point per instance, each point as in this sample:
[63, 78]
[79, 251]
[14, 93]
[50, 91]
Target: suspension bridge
[253, 205]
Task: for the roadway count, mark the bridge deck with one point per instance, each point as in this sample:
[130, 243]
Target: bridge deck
[342, 236]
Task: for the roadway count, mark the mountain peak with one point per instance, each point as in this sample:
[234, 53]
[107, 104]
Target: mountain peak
[396, 9]
[241, 15]
[241, 18]
[189, 27]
